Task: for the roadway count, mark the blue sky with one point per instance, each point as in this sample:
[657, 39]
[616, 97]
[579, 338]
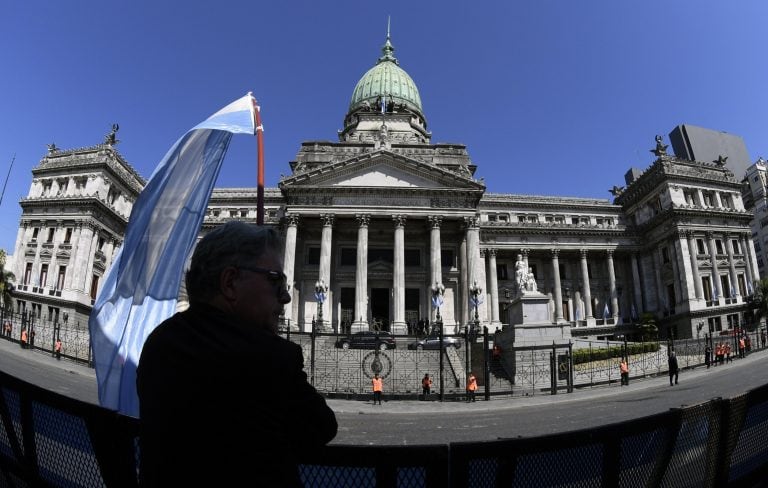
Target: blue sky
[551, 97]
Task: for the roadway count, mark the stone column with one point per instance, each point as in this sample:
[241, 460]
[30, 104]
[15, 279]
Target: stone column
[661, 296]
[612, 285]
[732, 268]
[398, 276]
[493, 287]
[747, 251]
[585, 280]
[289, 263]
[435, 259]
[473, 253]
[700, 196]
[324, 271]
[88, 278]
[464, 283]
[361, 275]
[715, 271]
[718, 200]
[483, 281]
[692, 251]
[637, 288]
[558, 295]
[681, 270]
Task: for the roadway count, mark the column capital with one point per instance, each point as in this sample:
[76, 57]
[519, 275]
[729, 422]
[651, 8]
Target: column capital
[472, 222]
[710, 235]
[555, 253]
[435, 221]
[491, 252]
[327, 219]
[583, 253]
[399, 220]
[292, 219]
[525, 252]
[482, 252]
[363, 219]
[609, 253]
[689, 234]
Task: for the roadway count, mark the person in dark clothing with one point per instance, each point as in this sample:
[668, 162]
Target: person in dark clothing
[223, 399]
[673, 369]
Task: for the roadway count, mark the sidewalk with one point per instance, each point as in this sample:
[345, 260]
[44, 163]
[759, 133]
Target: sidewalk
[504, 402]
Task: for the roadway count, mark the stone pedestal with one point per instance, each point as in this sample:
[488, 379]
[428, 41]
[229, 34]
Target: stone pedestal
[531, 324]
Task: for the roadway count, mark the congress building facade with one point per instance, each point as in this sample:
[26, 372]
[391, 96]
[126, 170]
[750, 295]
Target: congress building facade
[385, 220]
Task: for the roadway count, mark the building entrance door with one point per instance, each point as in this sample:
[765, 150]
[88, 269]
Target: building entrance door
[380, 308]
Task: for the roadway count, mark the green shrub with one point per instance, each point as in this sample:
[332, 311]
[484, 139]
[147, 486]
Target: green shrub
[597, 354]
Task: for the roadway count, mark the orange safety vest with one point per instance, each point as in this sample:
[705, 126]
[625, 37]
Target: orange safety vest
[472, 384]
[377, 384]
[624, 367]
[23, 336]
[426, 382]
[741, 344]
[58, 346]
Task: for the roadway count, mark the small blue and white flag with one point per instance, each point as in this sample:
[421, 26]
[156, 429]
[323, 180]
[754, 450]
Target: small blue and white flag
[750, 290]
[606, 312]
[142, 285]
[577, 313]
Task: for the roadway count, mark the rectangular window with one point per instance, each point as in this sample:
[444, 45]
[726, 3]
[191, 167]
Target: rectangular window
[313, 256]
[532, 219]
[707, 288]
[719, 246]
[348, 256]
[35, 232]
[575, 220]
[491, 218]
[447, 259]
[521, 218]
[501, 272]
[736, 247]
[51, 231]
[102, 241]
[665, 255]
[560, 220]
[412, 257]
[68, 235]
[27, 274]
[503, 218]
[742, 285]
[725, 285]
[563, 274]
[43, 274]
[94, 286]
[383, 255]
[700, 249]
[549, 219]
[60, 279]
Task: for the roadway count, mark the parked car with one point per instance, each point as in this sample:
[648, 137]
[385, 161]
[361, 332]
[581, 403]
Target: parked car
[367, 340]
[432, 341]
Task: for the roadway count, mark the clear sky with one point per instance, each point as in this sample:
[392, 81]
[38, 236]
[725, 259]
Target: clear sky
[551, 97]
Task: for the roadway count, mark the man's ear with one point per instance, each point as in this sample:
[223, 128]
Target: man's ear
[227, 285]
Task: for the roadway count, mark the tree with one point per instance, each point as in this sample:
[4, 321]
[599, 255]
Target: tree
[6, 282]
[760, 300]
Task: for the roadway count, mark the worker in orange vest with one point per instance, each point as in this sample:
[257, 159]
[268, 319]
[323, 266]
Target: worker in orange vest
[377, 384]
[24, 339]
[426, 385]
[471, 387]
[57, 348]
[624, 368]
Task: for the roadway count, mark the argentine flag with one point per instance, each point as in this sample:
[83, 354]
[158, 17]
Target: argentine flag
[142, 285]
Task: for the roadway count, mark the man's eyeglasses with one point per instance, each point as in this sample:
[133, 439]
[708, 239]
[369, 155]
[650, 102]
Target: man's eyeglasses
[277, 278]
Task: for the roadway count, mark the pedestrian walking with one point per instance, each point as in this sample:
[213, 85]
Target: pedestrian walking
[24, 339]
[426, 385]
[624, 369]
[673, 369]
[377, 386]
[707, 355]
[7, 328]
[57, 348]
[471, 387]
[742, 347]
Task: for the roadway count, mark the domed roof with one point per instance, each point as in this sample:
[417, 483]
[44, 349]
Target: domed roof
[388, 79]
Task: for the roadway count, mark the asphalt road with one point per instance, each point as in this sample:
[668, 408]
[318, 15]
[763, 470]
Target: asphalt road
[432, 422]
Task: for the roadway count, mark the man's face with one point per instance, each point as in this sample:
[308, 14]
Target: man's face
[259, 295]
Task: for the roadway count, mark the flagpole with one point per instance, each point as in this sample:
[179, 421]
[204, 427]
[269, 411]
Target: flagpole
[260, 163]
[6, 178]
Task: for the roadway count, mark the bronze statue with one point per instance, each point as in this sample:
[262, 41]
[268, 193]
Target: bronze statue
[661, 148]
[111, 138]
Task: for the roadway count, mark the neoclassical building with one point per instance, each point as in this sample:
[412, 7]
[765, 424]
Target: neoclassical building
[388, 224]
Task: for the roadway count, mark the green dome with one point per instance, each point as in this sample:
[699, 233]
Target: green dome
[386, 79]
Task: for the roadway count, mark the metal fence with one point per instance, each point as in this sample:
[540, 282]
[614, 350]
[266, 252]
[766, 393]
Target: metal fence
[47, 439]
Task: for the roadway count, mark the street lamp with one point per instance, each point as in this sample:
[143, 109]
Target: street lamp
[321, 289]
[438, 290]
[476, 291]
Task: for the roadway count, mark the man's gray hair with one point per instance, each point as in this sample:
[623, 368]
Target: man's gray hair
[230, 245]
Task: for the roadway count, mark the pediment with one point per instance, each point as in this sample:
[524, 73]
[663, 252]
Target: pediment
[382, 169]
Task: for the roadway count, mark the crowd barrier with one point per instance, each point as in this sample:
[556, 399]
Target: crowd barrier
[47, 439]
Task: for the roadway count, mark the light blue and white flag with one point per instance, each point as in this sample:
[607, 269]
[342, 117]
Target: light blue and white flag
[142, 285]
[749, 288]
[606, 312]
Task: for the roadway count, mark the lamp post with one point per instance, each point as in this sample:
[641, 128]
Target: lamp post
[476, 291]
[320, 293]
[438, 290]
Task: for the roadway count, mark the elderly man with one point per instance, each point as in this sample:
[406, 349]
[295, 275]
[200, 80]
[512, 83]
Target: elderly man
[224, 400]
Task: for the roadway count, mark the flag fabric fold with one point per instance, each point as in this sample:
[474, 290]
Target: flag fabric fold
[142, 285]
